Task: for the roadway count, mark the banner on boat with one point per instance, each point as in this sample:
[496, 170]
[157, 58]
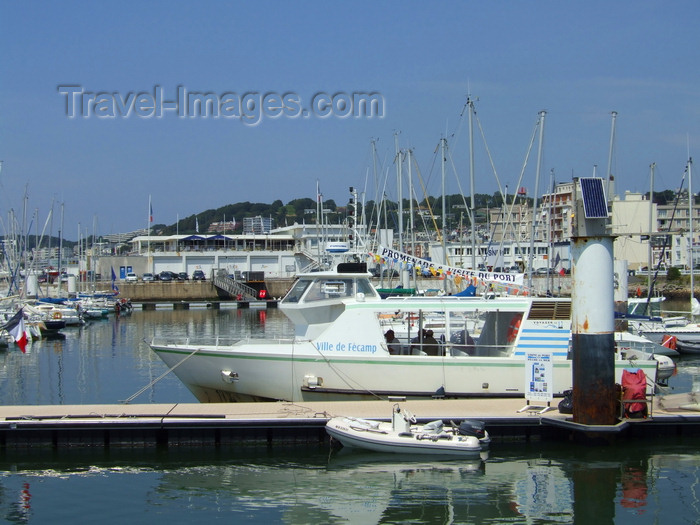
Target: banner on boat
[385, 255]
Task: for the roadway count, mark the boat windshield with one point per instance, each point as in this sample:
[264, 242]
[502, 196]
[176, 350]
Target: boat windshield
[296, 291]
[323, 289]
[311, 290]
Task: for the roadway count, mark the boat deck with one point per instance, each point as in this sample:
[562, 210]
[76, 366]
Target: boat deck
[277, 423]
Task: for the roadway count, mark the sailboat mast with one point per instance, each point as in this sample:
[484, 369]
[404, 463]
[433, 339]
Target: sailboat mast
[550, 273]
[398, 189]
[60, 251]
[652, 168]
[319, 215]
[409, 152]
[534, 201]
[690, 232]
[443, 153]
[470, 103]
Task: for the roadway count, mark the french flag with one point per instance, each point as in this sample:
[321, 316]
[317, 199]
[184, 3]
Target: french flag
[15, 327]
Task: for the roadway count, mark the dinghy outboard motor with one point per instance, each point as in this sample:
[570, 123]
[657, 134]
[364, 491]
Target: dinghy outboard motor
[472, 427]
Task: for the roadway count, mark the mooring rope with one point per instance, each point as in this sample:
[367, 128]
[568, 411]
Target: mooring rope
[149, 385]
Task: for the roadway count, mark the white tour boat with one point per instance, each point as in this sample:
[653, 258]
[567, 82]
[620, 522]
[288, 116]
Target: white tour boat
[339, 350]
[404, 436]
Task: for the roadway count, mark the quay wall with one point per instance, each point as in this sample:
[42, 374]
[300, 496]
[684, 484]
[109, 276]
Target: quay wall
[190, 290]
[276, 288]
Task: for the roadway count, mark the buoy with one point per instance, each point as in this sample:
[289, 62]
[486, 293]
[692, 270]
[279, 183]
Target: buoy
[669, 341]
[514, 327]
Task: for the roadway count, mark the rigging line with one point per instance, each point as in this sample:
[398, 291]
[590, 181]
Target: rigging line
[382, 207]
[427, 203]
[149, 385]
[520, 178]
[415, 195]
[665, 244]
[488, 153]
[461, 191]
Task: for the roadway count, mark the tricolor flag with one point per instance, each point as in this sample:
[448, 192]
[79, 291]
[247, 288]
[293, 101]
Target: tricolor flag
[15, 327]
[150, 210]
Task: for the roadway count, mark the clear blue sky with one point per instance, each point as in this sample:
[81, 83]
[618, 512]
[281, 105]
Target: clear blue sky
[577, 60]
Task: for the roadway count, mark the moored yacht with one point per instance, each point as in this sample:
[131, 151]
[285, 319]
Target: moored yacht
[339, 349]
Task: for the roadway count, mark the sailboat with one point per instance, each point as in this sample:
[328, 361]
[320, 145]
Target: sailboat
[651, 323]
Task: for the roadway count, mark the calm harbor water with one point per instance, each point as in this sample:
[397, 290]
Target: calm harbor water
[109, 361]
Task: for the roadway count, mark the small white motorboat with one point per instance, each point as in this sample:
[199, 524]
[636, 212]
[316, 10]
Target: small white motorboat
[404, 436]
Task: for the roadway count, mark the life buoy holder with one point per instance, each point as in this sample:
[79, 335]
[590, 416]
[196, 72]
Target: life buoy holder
[57, 315]
[514, 327]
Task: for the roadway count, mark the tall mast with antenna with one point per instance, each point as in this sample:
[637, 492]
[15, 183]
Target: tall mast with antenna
[609, 178]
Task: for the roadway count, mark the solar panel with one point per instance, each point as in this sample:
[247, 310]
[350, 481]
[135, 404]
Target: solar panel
[594, 204]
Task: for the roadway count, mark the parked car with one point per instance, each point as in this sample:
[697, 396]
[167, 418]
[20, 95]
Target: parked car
[385, 272]
[131, 277]
[182, 276]
[146, 277]
[198, 275]
[165, 276]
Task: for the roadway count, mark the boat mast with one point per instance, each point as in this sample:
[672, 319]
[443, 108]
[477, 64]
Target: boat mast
[470, 103]
[609, 178]
[412, 274]
[443, 153]
[550, 273]
[60, 252]
[534, 201]
[319, 214]
[690, 232]
[398, 189]
[652, 167]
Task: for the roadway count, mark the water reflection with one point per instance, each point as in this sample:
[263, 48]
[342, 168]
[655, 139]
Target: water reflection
[107, 361]
[515, 484]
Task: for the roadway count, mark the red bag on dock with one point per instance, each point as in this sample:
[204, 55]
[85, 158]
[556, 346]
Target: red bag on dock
[634, 386]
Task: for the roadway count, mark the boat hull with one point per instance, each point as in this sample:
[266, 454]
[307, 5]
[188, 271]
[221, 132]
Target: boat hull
[381, 438]
[299, 372]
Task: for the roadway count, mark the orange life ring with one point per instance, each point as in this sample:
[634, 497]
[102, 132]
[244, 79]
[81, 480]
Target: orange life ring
[514, 327]
[57, 315]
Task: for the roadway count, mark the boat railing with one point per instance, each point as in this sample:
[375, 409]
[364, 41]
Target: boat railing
[217, 342]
